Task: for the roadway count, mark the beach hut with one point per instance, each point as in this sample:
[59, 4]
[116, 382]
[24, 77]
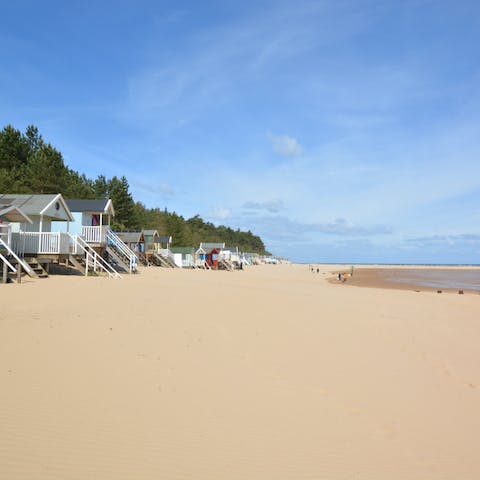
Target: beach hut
[217, 256]
[200, 258]
[232, 255]
[91, 223]
[162, 242]
[135, 241]
[92, 219]
[11, 264]
[34, 240]
[212, 258]
[162, 256]
[149, 237]
[184, 256]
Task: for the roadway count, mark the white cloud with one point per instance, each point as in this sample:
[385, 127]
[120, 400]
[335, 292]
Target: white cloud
[281, 227]
[272, 206]
[285, 146]
[463, 239]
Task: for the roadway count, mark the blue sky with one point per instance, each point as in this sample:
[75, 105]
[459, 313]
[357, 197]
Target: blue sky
[338, 130]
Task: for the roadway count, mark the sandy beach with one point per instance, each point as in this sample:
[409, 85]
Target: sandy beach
[267, 373]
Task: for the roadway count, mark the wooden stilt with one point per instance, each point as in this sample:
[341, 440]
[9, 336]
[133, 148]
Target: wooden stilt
[5, 273]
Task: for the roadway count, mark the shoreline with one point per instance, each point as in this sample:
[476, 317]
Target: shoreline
[417, 278]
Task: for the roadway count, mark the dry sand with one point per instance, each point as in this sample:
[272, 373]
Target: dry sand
[270, 373]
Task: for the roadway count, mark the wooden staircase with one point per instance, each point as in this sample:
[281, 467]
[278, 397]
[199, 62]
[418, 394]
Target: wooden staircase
[86, 260]
[119, 254]
[37, 270]
[36, 267]
[143, 259]
[119, 262]
[164, 261]
[77, 262]
[80, 264]
[225, 264]
[13, 264]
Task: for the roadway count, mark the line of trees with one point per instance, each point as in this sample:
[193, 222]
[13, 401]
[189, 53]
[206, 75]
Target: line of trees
[28, 164]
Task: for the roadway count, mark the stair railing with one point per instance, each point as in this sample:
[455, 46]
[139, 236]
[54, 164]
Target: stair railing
[226, 262]
[21, 262]
[114, 240]
[80, 243]
[9, 265]
[167, 254]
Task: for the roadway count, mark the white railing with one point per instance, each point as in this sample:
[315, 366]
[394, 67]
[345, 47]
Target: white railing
[6, 233]
[10, 252]
[121, 247]
[40, 243]
[9, 265]
[92, 258]
[94, 234]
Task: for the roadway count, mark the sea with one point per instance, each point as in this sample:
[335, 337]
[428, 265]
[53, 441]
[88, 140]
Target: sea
[461, 278]
[451, 276]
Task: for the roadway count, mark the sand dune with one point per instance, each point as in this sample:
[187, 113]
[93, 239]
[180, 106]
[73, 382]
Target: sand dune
[269, 373]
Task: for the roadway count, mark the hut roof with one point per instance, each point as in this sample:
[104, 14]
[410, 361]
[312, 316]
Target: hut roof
[150, 232]
[210, 246]
[130, 237]
[163, 240]
[91, 206]
[51, 205]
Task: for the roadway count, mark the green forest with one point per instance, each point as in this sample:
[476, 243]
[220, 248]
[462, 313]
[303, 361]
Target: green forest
[28, 164]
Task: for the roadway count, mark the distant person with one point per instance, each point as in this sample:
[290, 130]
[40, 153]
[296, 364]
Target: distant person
[318, 270]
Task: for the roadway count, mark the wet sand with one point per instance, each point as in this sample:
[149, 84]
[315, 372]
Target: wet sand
[420, 278]
[269, 373]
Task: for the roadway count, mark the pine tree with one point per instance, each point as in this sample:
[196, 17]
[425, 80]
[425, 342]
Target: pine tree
[118, 191]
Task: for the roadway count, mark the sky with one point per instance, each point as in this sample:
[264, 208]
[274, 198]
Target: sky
[337, 130]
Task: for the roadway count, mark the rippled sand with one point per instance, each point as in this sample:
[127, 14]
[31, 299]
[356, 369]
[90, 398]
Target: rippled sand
[270, 373]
